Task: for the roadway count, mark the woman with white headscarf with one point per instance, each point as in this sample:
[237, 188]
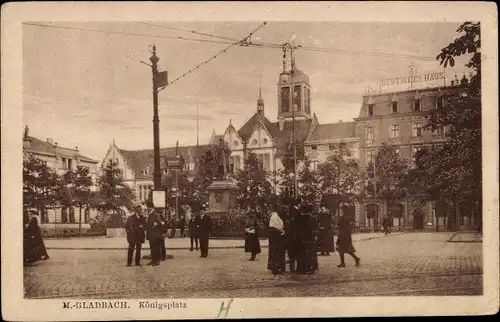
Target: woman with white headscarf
[276, 260]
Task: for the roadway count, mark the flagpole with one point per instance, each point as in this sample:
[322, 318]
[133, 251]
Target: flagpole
[197, 123]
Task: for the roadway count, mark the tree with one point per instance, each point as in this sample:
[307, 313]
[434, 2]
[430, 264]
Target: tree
[82, 194]
[255, 191]
[389, 177]
[309, 184]
[40, 185]
[339, 176]
[457, 165]
[113, 194]
[206, 174]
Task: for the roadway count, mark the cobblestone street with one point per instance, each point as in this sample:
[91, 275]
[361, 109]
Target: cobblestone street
[405, 264]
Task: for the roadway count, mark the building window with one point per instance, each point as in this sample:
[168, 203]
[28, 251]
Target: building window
[237, 163]
[72, 215]
[285, 99]
[370, 109]
[264, 141]
[394, 131]
[86, 216]
[439, 131]
[332, 147]
[394, 106]
[297, 98]
[370, 157]
[314, 147]
[417, 129]
[70, 164]
[235, 143]
[416, 104]
[64, 164]
[439, 102]
[369, 135]
[314, 165]
[254, 142]
[64, 215]
[414, 155]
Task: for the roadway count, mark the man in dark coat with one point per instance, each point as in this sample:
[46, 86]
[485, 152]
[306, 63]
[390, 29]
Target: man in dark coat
[386, 224]
[292, 233]
[325, 232]
[193, 235]
[155, 234]
[182, 225]
[203, 225]
[134, 228]
[252, 244]
[344, 240]
[307, 259]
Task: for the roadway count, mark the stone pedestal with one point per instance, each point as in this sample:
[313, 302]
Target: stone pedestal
[221, 198]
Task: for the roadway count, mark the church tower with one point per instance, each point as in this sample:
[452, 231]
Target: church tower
[302, 95]
[260, 101]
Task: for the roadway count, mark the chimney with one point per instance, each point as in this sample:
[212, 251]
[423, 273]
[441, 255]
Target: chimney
[76, 148]
[281, 123]
[55, 144]
[340, 121]
[50, 141]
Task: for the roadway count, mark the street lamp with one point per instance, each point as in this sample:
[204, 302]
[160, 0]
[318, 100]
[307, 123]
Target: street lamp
[288, 47]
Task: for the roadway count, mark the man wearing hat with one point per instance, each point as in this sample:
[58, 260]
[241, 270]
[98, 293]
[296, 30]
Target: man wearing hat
[203, 226]
[155, 234]
[134, 228]
[291, 232]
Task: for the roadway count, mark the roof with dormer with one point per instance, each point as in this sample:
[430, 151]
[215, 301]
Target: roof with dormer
[37, 146]
[332, 131]
[139, 160]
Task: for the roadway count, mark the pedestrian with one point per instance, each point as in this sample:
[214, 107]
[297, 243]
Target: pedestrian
[173, 226]
[252, 244]
[155, 234]
[193, 235]
[135, 227]
[344, 241]
[182, 225]
[307, 257]
[386, 224]
[163, 248]
[203, 228]
[291, 232]
[325, 232]
[34, 248]
[276, 257]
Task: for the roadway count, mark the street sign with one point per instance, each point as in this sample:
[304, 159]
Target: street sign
[175, 163]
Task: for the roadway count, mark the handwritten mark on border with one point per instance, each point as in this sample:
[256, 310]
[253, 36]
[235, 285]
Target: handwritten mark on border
[224, 309]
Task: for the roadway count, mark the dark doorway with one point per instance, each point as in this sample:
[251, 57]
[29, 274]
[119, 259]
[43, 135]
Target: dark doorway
[418, 219]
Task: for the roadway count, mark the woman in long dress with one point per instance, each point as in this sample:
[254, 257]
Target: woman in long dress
[276, 259]
[34, 248]
[344, 241]
[252, 244]
[325, 232]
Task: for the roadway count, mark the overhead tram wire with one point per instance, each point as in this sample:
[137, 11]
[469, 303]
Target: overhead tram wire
[189, 31]
[239, 42]
[247, 44]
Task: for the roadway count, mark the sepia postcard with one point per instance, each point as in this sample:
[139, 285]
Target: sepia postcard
[190, 160]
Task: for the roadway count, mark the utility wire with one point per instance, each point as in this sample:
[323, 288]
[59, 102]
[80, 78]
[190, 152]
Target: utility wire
[239, 42]
[246, 44]
[190, 31]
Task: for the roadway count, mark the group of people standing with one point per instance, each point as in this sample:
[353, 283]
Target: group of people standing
[300, 234]
[154, 228]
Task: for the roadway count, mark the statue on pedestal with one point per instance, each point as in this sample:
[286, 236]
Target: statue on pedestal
[222, 155]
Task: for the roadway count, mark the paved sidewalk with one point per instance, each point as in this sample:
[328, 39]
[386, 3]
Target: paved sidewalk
[466, 237]
[104, 243]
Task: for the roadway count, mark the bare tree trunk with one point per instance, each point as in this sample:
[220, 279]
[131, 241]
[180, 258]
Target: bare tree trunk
[80, 222]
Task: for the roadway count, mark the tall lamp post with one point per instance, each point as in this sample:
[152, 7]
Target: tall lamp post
[156, 122]
[289, 47]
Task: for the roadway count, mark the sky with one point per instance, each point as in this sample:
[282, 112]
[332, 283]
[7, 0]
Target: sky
[86, 88]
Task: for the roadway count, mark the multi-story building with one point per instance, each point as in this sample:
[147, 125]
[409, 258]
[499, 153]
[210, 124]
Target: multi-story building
[61, 160]
[399, 118]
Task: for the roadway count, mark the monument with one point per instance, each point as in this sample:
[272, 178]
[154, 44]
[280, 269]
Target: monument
[222, 192]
